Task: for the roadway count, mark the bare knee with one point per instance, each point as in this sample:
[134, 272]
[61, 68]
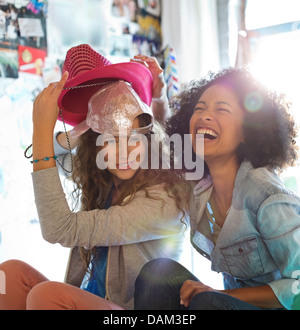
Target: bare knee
[13, 265]
[39, 296]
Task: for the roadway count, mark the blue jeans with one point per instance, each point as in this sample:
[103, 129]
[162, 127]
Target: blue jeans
[158, 288]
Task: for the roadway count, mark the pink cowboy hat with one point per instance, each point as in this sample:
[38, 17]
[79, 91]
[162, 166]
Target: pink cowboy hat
[88, 71]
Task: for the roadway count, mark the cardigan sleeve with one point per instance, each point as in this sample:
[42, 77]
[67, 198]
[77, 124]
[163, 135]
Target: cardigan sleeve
[279, 222]
[141, 219]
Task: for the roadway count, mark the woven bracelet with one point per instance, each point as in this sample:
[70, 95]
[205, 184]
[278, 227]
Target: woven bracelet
[55, 157]
[44, 159]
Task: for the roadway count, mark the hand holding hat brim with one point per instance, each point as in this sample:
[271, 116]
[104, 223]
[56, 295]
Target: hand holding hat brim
[45, 109]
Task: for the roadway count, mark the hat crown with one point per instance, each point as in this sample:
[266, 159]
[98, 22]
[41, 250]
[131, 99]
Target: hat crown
[115, 107]
[81, 59]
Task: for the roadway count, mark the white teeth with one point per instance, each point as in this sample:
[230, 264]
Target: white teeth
[207, 131]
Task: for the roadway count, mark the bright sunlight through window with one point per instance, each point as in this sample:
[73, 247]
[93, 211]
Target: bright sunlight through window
[274, 30]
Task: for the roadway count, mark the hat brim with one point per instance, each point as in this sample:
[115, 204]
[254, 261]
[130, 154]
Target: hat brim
[83, 127]
[74, 101]
[79, 129]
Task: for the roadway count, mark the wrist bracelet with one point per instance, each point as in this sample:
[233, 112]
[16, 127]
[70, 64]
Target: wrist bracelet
[44, 159]
[55, 157]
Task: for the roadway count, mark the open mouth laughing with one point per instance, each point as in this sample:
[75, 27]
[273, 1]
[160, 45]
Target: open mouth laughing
[208, 133]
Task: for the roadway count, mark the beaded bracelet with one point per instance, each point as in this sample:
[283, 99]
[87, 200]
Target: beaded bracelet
[44, 159]
[55, 157]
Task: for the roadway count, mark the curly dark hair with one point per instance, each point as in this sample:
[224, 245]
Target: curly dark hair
[269, 130]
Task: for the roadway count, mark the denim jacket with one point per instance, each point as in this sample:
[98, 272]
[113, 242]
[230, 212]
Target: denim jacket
[260, 240]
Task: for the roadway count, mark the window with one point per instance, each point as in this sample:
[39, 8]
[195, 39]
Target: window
[274, 34]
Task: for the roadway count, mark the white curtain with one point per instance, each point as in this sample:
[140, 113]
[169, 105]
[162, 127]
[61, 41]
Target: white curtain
[191, 28]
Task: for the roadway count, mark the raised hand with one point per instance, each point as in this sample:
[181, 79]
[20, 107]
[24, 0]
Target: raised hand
[45, 109]
[152, 64]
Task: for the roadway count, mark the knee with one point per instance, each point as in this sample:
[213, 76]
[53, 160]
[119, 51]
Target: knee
[13, 266]
[160, 266]
[40, 295]
[155, 270]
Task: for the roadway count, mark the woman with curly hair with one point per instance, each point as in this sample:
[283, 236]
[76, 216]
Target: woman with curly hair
[130, 213]
[242, 217]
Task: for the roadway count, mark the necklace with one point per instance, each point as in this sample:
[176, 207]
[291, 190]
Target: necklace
[219, 215]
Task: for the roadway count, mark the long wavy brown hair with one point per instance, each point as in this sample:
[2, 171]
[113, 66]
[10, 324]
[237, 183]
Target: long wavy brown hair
[93, 185]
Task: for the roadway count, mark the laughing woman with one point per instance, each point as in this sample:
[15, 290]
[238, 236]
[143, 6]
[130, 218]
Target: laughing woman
[243, 218]
[129, 214]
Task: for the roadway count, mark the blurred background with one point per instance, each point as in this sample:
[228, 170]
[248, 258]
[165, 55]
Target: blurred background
[189, 38]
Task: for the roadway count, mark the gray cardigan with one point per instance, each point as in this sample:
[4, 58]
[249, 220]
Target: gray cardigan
[137, 232]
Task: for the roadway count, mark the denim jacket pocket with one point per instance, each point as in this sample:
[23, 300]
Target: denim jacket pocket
[243, 258]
